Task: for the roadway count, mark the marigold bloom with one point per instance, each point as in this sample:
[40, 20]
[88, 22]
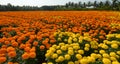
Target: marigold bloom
[27, 49]
[42, 47]
[35, 43]
[10, 49]
[54, 55]
[2, 59]
[114, 45]
[70, 62]
[12, 54]
[25, 56]
[15, 44]
[32, 54]
[10, 63]
[106, 61]
[78, 56]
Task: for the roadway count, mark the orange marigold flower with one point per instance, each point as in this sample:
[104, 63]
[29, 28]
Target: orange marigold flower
[16, 63]
[25, 56]
[35, 43]
[6, 42]
[10, 49]
[12, 54]
[27, 49]
[32, 54]
[15, 44]
[2, 59]
[10, 62]
[22, 46]
[33, 49]
[3, 50]
[42, 47]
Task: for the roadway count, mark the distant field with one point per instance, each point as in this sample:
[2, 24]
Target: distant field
[63, 37]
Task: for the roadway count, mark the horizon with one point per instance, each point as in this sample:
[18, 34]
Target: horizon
[40, 3]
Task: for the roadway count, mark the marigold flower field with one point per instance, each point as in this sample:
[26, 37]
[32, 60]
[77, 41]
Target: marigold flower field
[60, 37]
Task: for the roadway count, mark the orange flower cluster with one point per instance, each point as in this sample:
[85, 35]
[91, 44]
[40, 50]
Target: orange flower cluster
[27, 34]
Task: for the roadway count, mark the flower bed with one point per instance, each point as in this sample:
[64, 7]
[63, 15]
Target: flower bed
[60, 37]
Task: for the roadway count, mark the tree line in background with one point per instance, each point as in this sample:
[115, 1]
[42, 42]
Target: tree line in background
[106, 5]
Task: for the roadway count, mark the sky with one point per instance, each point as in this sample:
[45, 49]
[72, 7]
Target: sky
[40, 2]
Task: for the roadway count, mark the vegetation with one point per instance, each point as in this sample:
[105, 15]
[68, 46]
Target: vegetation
[62, 37]
[107, 5]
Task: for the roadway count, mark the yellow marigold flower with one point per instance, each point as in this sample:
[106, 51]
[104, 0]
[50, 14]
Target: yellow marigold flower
[54, 46]
[104, 46]
[58, 47]
[52, 49]
[86, 48]
[105, 55]
[91, 59]
[117, 56]
[99, 56]
[108, 42]
[54, 55]
[114, 41]
[118, 52]
[83, 61]
[71, 52]
[67, 56]
[113, 58]
[113, 54]
[73, 35]
[118, 36]
[61, 58]
[93, 55]
[106, 61]
[61, 44]
[75, 39]
[64, 48]
[69, 41]
[70, 48]
[77, 34]
[49, 63]
[102, 51]
[70, 62]
[78, 56]
[115, 62]
[60, 35]
[110, 35]
[114, 45]
[59, 52]
[76, 47]
[76, 62]
[86, 34]
[87, 45]
[81, 51]
[57, 60]
[87, 38]
[47, 55]
[80, 41]
[44, 63]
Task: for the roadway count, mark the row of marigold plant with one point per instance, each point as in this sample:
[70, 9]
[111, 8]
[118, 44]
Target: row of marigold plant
[30, 39]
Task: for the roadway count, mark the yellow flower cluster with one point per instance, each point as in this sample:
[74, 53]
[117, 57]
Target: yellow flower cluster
[78, 49]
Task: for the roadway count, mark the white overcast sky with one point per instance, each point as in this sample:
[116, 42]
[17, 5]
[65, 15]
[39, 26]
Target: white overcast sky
[41, 2]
